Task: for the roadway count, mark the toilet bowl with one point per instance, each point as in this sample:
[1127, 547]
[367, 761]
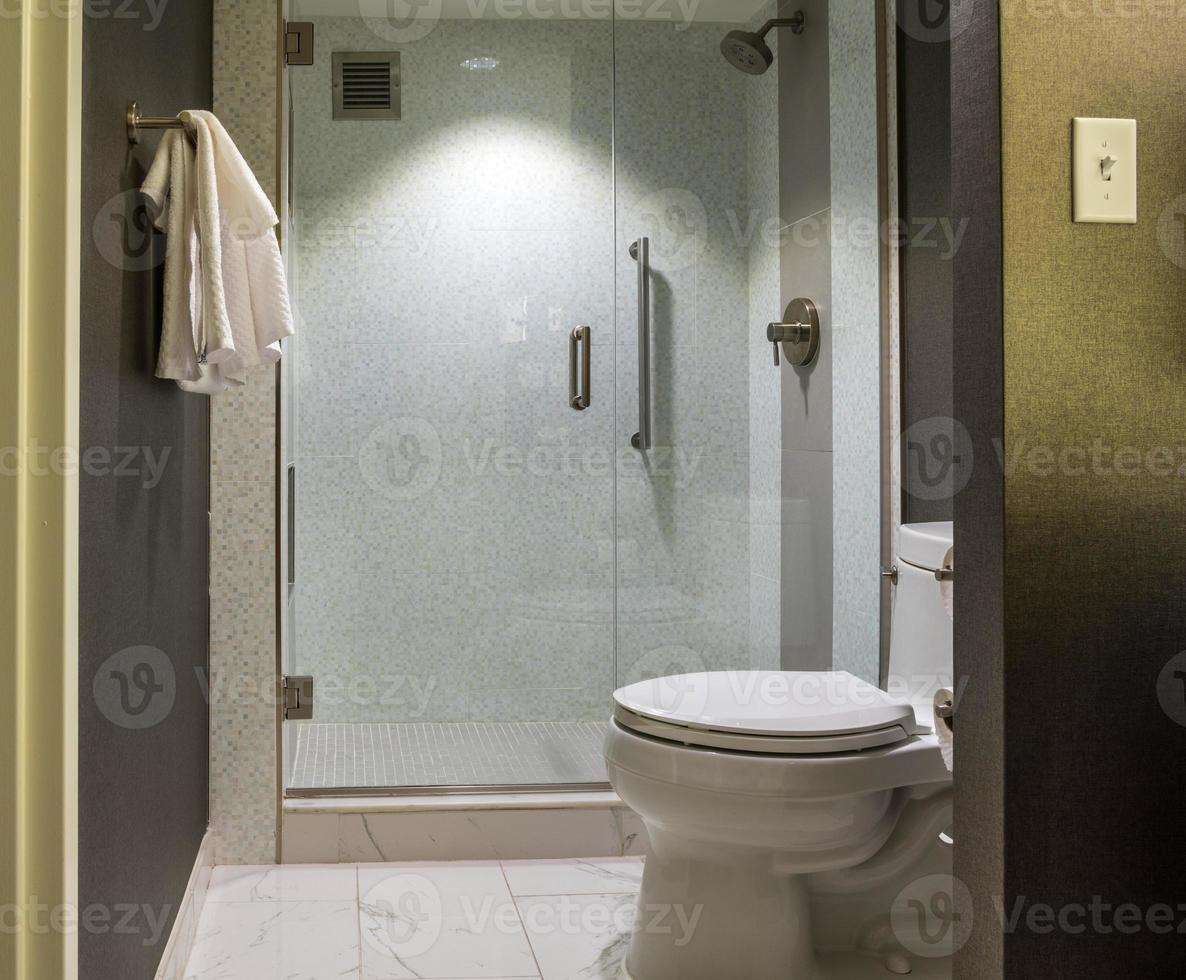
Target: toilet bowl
[787, 810]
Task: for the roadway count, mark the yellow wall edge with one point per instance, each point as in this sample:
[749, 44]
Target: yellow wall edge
[40, 173]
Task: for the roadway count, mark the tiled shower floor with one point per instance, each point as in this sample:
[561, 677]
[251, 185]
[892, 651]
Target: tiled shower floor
[437, 754]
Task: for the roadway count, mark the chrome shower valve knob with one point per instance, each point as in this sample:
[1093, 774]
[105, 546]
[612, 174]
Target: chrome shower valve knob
[798, 334]
[787, 333]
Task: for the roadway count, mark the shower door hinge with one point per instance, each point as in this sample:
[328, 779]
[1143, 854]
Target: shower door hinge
[298, 42]
[298, 698]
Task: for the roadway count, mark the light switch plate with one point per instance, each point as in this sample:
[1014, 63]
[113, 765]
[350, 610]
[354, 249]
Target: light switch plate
[1105, 157]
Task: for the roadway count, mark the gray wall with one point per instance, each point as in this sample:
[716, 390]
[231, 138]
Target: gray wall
[924, 148]
[978, 367]
[143, 525]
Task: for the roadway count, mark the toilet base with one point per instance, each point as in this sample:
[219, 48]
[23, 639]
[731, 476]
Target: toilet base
[747, 851]
[740, 913]
[700, 919]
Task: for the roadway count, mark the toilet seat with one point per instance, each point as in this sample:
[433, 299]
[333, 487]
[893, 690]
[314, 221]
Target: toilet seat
[771, 745]
[769, 712]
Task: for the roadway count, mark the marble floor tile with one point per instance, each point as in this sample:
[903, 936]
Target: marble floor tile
[440, 921]
[284, 883]
[498, 835]
[292, 940]
[579, 937]
[462, 920]
[454, 888]
[395, 948]
[601, 876]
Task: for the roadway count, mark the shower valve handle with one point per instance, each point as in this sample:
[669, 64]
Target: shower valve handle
[798, 332]
[792, 333]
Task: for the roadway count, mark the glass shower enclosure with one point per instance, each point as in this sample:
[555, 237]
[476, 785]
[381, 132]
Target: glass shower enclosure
[536, 445]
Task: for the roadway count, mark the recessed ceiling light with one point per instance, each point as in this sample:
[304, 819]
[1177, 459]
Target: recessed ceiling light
[480, 64]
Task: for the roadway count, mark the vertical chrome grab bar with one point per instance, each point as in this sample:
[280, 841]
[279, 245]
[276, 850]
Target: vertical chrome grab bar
[291, 525]
[640, 251]
[582, 398]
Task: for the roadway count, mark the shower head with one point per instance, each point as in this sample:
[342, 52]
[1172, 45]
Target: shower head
[748, 50]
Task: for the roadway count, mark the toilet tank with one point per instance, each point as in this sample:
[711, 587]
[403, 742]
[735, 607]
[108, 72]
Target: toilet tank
[920, 662]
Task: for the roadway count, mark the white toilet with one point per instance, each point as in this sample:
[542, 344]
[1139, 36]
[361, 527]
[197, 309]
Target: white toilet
[787, 811]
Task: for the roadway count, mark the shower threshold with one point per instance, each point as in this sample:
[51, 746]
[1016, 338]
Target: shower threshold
[442, 758]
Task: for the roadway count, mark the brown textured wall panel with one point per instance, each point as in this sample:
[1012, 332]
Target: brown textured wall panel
[1095, 549]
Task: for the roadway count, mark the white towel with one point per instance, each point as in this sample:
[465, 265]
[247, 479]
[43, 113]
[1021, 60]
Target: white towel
[230, 299]
[255, 292]
[169, 189]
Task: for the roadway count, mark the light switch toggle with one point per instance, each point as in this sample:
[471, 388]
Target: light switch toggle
[1105, 170]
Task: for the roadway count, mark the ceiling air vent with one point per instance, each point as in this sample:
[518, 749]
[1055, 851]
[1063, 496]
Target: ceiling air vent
[366, 85]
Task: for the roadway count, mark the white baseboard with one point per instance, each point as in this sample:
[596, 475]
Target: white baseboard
[185, 926]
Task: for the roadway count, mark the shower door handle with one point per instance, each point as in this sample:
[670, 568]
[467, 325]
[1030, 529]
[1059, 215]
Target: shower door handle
[640, 251]
[582, 398]
[291, 525]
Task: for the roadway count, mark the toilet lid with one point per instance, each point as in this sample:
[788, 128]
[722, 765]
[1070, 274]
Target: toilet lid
[814, 706]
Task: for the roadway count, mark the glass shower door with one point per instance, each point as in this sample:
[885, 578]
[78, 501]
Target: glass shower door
[749, 531]
[697, 151]
[478, 564]
[453, 512]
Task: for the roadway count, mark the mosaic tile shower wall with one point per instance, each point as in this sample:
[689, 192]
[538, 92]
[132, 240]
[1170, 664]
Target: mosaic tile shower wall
[243, 494]
[856, 313]
[766, 532]
[686, 177]
[455, 516]
[459, 526]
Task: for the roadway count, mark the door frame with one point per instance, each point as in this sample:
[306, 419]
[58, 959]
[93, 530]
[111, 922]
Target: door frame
[40, 187]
